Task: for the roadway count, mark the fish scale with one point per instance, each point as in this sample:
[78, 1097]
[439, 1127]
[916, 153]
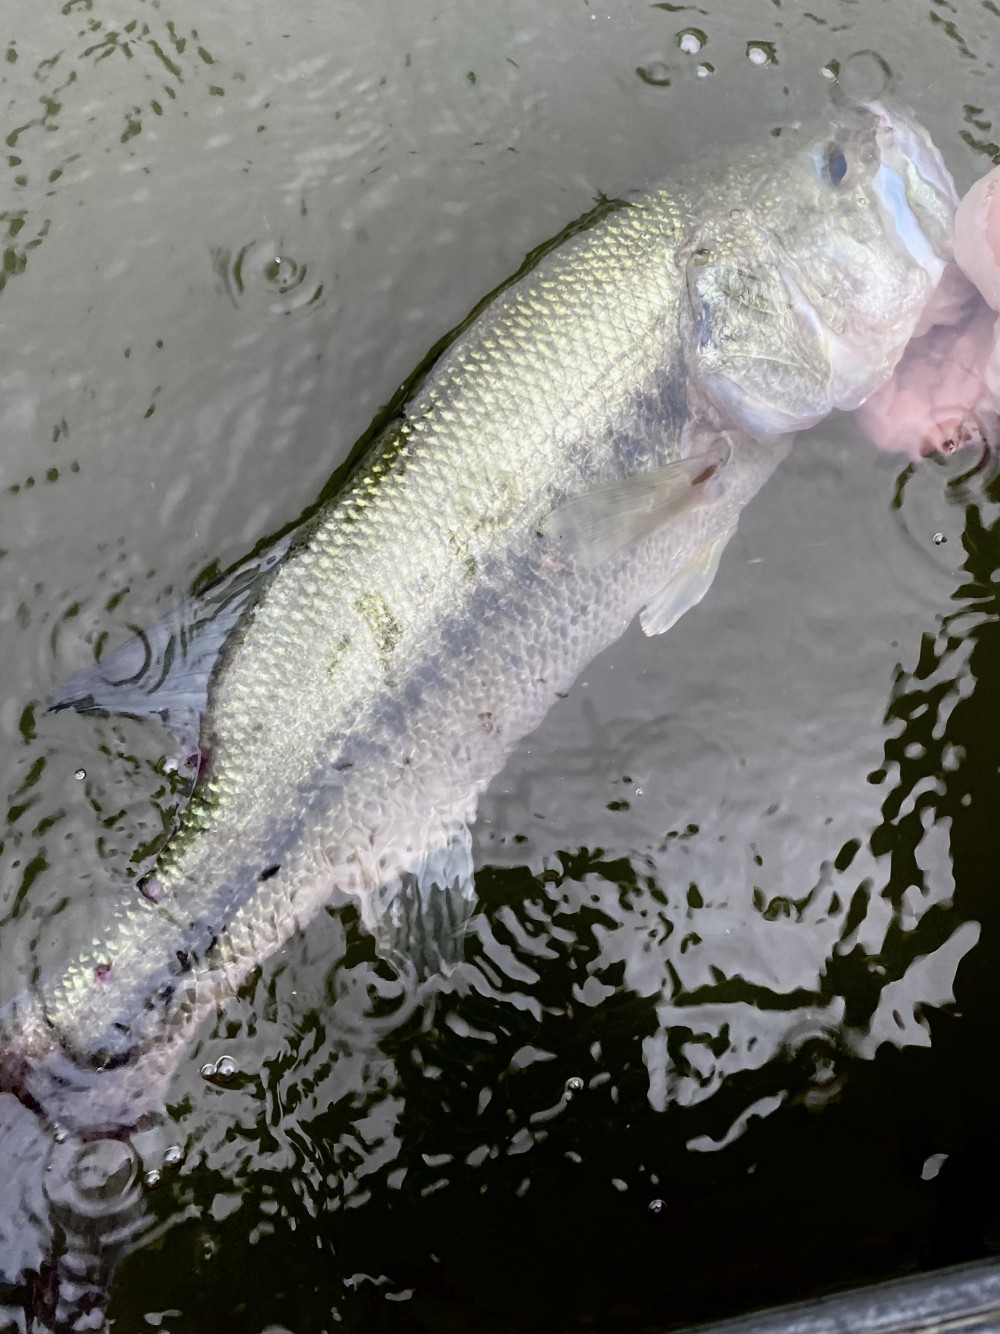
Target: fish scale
[400, 541]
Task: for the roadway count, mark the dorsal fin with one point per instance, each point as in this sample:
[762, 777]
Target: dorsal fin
[165, 669]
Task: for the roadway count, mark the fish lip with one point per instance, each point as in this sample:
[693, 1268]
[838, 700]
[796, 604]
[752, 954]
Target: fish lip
[890, 190]
[917, 147]
[916, 195]
[904, 146]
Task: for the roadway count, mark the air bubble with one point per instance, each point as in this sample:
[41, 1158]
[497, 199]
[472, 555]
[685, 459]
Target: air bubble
[220, 1071]
[152, 1179]
[691, 40]
[574, 1085]
[762, 53]
[152, 888]
[173, 1157]
[80, 775]
[705, 70]
[939, 539]
[656, 1207]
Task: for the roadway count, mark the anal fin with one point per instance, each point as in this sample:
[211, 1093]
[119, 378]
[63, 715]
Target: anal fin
[421, 915]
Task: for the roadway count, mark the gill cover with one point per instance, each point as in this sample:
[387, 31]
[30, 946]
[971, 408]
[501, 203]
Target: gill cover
[756, 351]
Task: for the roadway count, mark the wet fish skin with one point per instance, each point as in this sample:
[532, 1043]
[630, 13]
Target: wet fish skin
[434, 610]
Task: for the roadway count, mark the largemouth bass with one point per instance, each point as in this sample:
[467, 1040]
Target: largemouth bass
[578, 455]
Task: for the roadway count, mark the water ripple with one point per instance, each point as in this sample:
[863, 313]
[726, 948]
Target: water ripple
[264, 274]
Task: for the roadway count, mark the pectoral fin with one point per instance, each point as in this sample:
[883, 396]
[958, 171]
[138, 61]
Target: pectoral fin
[687, 588]
[165, 669]
[420, 916]
[606, 521]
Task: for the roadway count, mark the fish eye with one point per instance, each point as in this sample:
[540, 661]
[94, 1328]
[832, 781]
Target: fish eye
[834, 164]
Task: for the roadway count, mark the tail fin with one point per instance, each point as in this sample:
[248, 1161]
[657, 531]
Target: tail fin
[69, 1210]
[25, 1230]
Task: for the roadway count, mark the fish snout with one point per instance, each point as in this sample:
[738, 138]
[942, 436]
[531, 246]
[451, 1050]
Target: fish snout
[913, 142]
[914, 190]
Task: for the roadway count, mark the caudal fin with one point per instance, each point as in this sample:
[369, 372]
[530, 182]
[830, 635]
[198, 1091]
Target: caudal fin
[69, 1210]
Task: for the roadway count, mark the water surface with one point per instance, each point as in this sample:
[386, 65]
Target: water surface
[725, 1031]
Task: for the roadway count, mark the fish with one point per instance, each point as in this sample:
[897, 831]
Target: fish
[577, 455]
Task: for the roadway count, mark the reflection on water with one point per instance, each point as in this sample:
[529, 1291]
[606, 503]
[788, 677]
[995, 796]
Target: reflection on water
[723, 1031]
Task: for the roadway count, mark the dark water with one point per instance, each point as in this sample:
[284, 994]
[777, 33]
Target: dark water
[725, 1031]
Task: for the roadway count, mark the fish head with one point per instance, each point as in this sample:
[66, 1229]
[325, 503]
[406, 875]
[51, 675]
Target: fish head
[808, 282]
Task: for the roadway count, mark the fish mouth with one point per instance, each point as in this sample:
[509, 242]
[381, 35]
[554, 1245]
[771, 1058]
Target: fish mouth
[916, 145]
[923, 225]
[890, 190]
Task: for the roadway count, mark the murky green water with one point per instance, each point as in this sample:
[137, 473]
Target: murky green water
[726, 1032]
